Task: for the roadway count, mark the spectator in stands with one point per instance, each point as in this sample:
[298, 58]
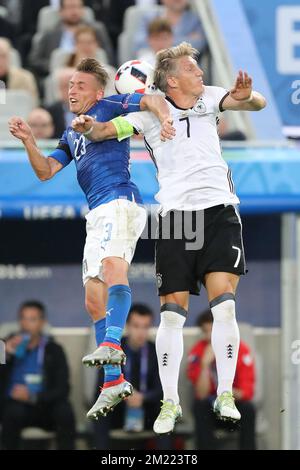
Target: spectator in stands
[160, 36]
[28, 24]
[63, 36]
[185, 25]
[30, 11]
[115, 16]
[34, 383]
[60, 111]
[139, 410]
[41, 123]
[202, 373]
[16, 78]
[86, 45]
[7, 30]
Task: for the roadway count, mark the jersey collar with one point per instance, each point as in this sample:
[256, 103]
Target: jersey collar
[175, 105]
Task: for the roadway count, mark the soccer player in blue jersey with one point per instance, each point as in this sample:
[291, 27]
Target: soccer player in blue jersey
[116, 218]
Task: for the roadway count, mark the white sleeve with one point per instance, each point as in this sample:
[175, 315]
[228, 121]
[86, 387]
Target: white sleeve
[142, 121]
[219, 95]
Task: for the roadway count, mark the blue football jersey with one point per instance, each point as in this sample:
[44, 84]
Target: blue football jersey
[102, 167]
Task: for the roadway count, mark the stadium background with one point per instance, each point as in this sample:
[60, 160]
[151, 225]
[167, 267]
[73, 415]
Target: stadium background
[42, 225]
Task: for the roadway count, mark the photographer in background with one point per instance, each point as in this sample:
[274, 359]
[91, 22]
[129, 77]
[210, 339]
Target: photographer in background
[34, 383]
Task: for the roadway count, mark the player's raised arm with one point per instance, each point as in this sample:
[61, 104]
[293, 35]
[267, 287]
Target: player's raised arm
[44, 167]
[242, 97]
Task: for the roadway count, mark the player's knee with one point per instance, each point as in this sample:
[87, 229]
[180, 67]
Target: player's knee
[172, 316]
[114, 272]
[223, 307]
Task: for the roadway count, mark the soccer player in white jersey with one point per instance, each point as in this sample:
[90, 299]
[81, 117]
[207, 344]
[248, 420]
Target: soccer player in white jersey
[196, 188]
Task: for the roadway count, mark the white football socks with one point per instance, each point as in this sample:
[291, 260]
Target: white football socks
[225, 340]
[169, 348]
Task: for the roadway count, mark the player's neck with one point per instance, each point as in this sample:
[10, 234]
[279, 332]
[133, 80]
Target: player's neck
[182, 101]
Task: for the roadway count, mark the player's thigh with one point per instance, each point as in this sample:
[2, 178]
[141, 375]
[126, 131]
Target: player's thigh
[178, 298]
[96, 298]
[222, 260]
[175, 269]
[124, 223]
[113, 230]
[218, 283]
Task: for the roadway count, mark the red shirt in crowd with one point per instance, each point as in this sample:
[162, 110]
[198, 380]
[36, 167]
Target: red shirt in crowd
[244, 379]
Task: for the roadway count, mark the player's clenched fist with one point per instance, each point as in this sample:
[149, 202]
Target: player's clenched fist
[19, 128]
[82, 123]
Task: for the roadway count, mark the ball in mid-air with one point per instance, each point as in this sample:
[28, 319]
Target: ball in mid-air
[135, 76]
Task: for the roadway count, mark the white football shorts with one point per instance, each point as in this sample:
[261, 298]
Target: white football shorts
[112, 229]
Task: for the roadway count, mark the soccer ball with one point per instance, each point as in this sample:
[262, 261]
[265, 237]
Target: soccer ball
[135, 76]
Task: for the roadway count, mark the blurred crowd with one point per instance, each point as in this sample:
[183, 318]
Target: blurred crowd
[42, 42]
[35, 388]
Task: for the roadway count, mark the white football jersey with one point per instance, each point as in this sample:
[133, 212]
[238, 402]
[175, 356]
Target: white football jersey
[191, 171]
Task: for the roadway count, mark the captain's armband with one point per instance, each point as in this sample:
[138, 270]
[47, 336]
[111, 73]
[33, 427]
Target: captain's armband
[124, 128]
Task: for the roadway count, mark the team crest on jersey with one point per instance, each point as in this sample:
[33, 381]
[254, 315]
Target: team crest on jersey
[200, 107]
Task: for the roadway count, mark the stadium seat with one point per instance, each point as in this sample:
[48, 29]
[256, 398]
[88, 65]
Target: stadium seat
[59, 57]
[131, 22]
[133, 15]
[15, 58]
[7, 328]
[33, 438]
[48, 17]
[18, 102]
[3, 12]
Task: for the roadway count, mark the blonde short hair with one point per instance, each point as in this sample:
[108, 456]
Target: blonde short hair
[166, 63]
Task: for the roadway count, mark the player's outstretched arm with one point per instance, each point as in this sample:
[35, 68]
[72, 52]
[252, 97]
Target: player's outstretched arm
[44, 167]
[242, 97]
[118, 128]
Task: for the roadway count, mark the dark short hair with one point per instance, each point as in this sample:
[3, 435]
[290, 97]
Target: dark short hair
[61, 3]
[204, 317]
[85, 28]
[33, 304]
[141, 309]
[159, 25]
[93, 67]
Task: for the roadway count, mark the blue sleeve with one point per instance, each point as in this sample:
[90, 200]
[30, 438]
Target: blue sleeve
[62, 153]
[123, 104]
